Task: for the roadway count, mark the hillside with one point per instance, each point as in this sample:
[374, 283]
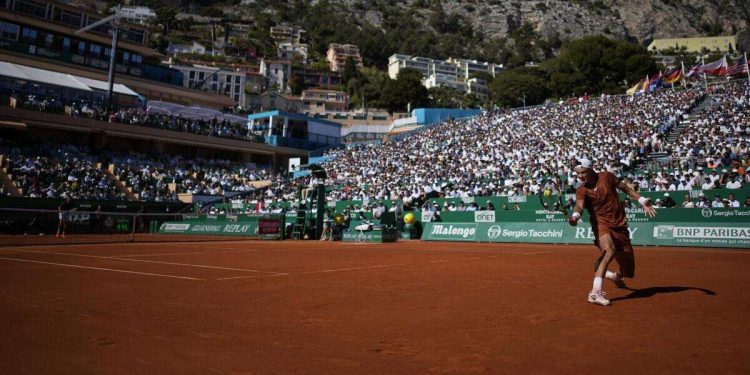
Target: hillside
[505, 31]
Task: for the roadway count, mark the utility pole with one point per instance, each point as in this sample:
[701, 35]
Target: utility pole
[114, 22]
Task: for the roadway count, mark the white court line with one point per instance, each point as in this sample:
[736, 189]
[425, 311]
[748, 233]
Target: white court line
[191, 253]
[103, 269]
[488, 251]
[143, 261]
[251, 276]
[357, 268]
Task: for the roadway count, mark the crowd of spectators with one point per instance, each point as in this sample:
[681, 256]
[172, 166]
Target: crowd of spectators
[500, 153]
[512, 152]
[58, 171]
[151, 179]
[212, 128]
[131, 116]
[718, 134]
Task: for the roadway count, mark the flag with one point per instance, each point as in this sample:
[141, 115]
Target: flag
[740, 67]
[693, 71]
[672, 76]
[716, 68]
[654, 82]
[640, 86]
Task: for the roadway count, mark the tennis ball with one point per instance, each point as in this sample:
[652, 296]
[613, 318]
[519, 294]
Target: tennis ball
[547, 193]
[409, 218]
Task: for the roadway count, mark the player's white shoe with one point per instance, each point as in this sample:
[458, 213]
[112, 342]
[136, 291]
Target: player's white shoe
[598, 297]
[619, 282]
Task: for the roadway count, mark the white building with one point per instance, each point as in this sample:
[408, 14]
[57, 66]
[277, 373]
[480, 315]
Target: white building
[440, 80]
[469, 67]
[277, 74]
[479, 88]
[195, 47]
[137, 14]
[214, 79]
[453, 72]
[287, 51]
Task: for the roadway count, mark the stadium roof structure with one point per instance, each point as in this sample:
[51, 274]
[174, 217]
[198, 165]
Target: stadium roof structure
[290, 115]
[697, 44]
[194, 112]
[48, 77]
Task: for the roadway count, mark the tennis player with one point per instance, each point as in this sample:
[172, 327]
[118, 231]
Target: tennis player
[64, 216]
[598, 195]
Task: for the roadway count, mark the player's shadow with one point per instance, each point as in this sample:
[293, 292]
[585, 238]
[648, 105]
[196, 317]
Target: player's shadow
[650, 292]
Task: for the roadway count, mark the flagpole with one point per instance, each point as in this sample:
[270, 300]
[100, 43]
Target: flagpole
[747, 69]
[705, 80]
[682, 73]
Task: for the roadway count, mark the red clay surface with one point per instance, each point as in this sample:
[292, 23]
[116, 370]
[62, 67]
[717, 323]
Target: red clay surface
[408, 307]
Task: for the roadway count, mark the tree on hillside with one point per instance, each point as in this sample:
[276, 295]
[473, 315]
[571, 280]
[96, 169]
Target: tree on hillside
[597, 64]
[406, 90]
[445, 97]
[511, 87]
[349, 71]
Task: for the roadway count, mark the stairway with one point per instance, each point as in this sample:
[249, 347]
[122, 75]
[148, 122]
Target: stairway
[6, 180]
[119, 185]
[704, 104]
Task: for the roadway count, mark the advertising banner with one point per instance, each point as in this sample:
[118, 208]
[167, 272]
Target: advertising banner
[736, 235]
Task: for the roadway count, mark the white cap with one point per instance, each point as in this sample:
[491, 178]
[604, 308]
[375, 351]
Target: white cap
[584, 163]
[666, 194]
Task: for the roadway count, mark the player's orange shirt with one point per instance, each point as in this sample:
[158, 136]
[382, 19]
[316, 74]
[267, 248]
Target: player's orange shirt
[603, 203]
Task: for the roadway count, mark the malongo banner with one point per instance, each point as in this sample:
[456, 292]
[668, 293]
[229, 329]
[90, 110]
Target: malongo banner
[641, 233]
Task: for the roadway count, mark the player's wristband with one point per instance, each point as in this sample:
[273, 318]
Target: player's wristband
[643, 201]
[576, 216]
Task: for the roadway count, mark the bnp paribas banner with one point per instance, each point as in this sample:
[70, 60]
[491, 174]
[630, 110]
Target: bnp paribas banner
[682, 234]
[702, 234]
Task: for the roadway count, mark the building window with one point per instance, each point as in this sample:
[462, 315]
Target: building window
[49, 40]
[28, 35]
[81, 48]
[192, 74]
[125, 57]
[9, 31]
[95, 49]
[31, 8]
[70, 19]
[66, 44]
[136, 59]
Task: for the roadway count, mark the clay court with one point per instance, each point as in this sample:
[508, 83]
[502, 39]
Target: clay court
[407, 307]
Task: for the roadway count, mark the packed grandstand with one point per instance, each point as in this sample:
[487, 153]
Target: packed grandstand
[671, 140]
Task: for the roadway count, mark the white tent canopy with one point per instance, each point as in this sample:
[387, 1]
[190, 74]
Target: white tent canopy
[42, 76]
[48, 77]
[194, 112]
[158, 106]
[103, 86]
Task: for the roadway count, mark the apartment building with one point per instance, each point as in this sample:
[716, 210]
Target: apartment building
[218, 80]
[286, 33]
[453, 72]
[339, 53]
[323, 101]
